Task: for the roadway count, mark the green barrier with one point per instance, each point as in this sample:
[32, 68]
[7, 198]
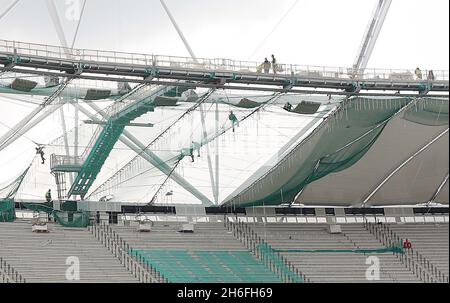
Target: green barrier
[39, 207]
[7, 210]
[356, 251]
[72, 219]
[70, 206]
[64, 218]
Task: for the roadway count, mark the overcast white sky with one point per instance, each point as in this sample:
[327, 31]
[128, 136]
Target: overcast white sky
[315, 32]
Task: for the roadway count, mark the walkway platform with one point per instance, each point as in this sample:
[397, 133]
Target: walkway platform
[205, 72]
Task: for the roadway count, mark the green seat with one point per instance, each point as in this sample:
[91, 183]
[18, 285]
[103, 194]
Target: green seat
[180, 266]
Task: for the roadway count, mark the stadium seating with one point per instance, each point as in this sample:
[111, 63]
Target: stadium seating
[429, 239]
[328, 257]
[213, 254]
[41, 257]
[184, 266]
[207, 237]
[210, 254]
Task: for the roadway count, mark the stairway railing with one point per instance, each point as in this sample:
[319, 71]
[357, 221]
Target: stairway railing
[114, 109]
[118, 174]
[134, 263]
[422, 268]
[418, 257]
[9, 274]
[139, 93]
[264, 252]
[387, 273]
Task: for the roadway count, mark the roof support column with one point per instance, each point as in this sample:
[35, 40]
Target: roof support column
[205, 138]
[180, 33]
[371, 36]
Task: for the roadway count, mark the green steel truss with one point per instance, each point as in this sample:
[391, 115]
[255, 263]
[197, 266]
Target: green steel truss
[109, 136]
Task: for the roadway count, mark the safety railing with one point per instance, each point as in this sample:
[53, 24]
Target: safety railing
[133, 97]
[416, 256]
[135, 264]
[382, 270]
[113, 109]
[23, 49]
[125, 170]
[8, 274]
[69, 162]
[420, 266]
[139, 93]
[264, 252]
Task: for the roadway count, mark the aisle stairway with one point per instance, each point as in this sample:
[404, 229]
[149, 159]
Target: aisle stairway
[429, 239]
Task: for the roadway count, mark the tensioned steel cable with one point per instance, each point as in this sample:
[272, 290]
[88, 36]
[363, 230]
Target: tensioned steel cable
[273, 30]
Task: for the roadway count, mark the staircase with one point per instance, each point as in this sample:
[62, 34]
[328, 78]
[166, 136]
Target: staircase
[276, 262]
[60, 179]
[122, 112]
[412, 259]
[430, 244]
[333, 258]
[391, 266]
[96, 158]
[211, 254]
[122, 250]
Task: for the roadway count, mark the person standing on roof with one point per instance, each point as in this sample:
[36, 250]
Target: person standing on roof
[431, 75]
[266, 66]
[418, 73]
[274, 64]
[233, 120]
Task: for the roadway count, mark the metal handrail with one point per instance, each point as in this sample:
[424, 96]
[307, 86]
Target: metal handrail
[121, 249]
[252, 241]
[10, 273]
[139, 93]
[207, 64]
[423, 261]
[417, 267]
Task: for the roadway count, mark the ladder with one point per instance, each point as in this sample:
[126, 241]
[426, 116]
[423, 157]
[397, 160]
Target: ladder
[60, 180]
